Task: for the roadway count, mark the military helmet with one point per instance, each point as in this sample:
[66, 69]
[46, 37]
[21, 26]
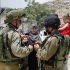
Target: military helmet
[52, 21]
[10, 16]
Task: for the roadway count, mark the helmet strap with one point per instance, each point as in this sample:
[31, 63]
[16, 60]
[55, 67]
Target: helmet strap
[16, 26]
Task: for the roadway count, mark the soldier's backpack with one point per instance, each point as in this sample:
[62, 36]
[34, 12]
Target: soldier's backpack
[4, 49]
[64, 47]
[1, 45]
[62, 52]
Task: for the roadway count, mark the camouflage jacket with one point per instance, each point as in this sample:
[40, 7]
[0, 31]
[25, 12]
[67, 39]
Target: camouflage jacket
[16, 50]
[51, 46]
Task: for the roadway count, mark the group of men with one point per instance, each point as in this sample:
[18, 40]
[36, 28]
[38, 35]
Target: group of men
[16, 48]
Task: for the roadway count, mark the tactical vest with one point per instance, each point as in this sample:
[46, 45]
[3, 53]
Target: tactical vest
[6, 55]
[62, 51]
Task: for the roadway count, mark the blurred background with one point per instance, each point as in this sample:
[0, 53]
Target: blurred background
[35, 9]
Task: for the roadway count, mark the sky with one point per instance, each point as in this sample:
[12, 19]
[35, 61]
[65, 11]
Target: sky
[17, 3]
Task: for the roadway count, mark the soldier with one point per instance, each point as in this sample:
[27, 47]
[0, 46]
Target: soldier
[12, 52]
[52, 52]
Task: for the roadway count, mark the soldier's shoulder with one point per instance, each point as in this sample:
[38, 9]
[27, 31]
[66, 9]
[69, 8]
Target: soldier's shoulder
[52, 38]
[13, 33]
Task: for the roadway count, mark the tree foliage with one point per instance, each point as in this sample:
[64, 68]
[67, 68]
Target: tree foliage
[38, 12]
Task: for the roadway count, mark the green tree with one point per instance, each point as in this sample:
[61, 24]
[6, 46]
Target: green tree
[38, 12]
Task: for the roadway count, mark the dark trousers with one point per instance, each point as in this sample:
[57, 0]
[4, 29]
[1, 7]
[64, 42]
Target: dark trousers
[32, 61]
[24, 64]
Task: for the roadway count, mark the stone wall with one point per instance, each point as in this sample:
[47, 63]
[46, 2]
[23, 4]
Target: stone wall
[61, 7]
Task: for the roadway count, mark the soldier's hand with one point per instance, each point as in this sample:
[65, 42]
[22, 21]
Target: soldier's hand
[24, 38]
[30, 47]
[36, 46]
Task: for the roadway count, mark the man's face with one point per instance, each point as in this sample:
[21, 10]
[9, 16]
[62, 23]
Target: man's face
[34, 30]
[49, 30]
[16, 23]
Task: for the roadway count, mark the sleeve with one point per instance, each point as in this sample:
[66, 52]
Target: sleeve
[16, 48]
[49, 49]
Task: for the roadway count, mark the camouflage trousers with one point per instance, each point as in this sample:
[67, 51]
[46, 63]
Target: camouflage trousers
[4, 66]
[24, 64]
[60, 66]
[47, 67]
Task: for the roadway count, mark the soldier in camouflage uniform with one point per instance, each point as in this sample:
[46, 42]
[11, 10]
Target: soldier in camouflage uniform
[52, 53]
[13, 51]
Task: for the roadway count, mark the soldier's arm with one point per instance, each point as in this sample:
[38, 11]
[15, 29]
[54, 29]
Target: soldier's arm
[49, 49]
[17, 49]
